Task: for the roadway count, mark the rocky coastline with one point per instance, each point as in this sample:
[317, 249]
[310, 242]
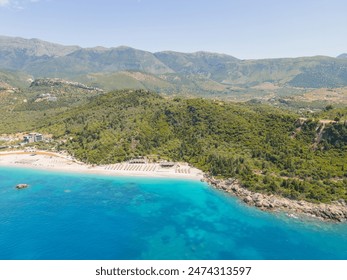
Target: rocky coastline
[336, 211]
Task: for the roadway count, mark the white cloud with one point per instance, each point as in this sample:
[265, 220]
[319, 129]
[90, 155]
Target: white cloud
[18, 4]
[4, 2]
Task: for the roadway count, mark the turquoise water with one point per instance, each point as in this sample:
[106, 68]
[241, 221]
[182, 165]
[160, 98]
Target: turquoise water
[97, 217]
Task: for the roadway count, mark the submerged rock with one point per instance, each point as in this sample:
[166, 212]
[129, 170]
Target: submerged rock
[22, 186]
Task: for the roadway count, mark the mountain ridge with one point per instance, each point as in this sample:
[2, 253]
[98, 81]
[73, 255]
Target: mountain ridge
[44, 59]
[36, 47]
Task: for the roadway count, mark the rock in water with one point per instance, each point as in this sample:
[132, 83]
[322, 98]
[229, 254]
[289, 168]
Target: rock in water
[22, 186]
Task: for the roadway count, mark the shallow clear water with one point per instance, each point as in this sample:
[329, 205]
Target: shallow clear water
[78, 216]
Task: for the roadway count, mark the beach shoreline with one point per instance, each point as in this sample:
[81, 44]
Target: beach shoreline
[62, 162]
[51, 161]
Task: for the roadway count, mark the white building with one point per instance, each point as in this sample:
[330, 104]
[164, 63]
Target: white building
[33, 137]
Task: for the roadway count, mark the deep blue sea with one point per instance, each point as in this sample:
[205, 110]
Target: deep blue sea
[78, 216]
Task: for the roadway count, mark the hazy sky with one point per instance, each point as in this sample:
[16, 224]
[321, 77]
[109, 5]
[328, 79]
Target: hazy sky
[242, 28]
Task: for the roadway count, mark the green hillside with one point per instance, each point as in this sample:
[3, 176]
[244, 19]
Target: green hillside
[22, 109]
[269, 150]
[332, 113]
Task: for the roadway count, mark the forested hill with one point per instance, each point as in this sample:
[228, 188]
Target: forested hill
[267, 149]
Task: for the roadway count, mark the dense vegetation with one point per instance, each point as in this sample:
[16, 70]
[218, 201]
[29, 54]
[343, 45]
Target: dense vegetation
[267, 149]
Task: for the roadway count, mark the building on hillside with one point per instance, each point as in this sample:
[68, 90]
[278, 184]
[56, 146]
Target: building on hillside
[33, 137]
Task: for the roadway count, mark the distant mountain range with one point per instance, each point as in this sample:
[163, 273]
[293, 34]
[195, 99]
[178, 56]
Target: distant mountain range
[344, 55]
[168, 71]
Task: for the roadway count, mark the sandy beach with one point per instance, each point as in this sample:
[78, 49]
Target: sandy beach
[336, 211]
[60, 162]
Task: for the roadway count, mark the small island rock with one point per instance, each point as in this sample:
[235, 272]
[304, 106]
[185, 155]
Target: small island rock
[22, 186]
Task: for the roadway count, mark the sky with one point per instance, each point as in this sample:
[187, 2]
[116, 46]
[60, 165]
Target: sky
[246, 29]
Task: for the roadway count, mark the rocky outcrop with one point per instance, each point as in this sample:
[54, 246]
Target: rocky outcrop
[22, 186]
[336, 211]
